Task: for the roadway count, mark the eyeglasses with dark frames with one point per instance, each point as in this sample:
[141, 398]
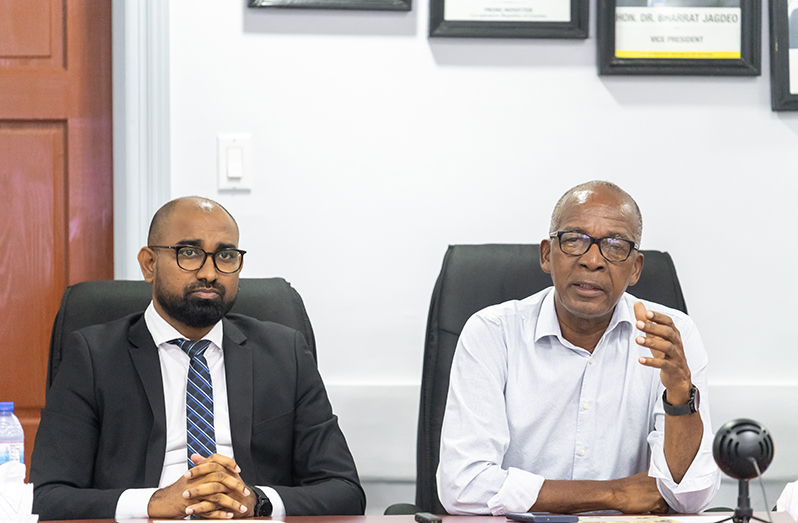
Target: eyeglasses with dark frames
[190, 258]
[612, 248]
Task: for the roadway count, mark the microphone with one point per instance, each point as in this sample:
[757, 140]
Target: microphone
[743, 449]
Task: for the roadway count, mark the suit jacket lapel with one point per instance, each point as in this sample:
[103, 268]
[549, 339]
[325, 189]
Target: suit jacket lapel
[145, 358]
[238, 363]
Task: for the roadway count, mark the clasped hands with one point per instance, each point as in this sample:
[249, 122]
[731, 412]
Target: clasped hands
[665, 342]
[211, 489]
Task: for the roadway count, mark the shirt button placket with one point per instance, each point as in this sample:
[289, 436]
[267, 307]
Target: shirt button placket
[585, 420]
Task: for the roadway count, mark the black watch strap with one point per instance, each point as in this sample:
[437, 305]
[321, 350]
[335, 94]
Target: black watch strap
[263, 507]
[682, 410]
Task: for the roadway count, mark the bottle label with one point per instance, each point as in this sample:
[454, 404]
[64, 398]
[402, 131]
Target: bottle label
[12, 452]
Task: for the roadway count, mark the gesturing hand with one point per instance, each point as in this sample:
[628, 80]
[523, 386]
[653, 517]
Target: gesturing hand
[663, 339]
[211, 489]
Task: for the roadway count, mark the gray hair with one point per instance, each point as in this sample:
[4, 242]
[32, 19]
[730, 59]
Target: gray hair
[556, 215]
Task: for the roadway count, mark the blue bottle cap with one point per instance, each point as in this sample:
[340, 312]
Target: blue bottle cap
[6, 406]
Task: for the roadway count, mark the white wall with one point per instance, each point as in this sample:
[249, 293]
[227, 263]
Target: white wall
[376, 147]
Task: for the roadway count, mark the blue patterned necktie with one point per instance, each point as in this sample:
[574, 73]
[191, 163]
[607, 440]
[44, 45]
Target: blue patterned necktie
[200, 436]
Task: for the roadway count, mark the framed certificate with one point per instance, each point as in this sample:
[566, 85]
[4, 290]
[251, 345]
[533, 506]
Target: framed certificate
[784, 55]
[367, 5]
[680, 37]
[509, 18]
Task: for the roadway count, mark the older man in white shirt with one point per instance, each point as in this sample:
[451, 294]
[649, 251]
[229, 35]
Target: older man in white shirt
[554, 403]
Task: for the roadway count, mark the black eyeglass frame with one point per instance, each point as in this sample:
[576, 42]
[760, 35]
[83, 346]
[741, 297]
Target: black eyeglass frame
[633, 246]
[177, 248]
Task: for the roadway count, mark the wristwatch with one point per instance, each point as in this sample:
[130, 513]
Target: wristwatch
[682, 410]
[263, 506]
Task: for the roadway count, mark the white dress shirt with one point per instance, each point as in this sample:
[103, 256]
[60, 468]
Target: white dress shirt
[174, 372]
[788, 501]
[526, 405]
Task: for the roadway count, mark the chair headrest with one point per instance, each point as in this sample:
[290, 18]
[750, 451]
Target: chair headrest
[95, 302]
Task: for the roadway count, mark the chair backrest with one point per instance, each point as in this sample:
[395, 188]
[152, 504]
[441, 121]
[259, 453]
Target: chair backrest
[95, 302]
[474, 277]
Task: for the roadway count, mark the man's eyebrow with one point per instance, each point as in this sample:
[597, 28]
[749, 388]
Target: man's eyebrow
[619, 235]
[199, 243]
[192, 243]
[611, 234]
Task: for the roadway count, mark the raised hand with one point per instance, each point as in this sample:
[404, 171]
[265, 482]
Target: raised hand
[663, 339]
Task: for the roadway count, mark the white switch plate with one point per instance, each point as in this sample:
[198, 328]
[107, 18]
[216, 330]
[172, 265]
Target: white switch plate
[234, 161]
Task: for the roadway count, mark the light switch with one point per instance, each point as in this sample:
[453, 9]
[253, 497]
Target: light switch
[234, 161]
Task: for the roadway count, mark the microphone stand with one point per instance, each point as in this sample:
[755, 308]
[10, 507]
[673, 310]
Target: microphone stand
[743, 513]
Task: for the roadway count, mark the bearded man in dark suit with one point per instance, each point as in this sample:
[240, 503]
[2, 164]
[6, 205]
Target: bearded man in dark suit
[113, 439]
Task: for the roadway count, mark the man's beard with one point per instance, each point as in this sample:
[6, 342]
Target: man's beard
[194, 312]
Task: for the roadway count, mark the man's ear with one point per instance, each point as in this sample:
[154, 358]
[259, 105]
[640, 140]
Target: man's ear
[545, 255]
[637, 269]
[146, 259]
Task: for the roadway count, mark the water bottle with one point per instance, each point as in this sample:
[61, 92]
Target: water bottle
[12, 439]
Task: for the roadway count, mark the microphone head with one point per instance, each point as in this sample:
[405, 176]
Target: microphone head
[737, 443]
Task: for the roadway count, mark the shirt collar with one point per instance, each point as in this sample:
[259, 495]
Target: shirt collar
[548, 325]
[162, 332]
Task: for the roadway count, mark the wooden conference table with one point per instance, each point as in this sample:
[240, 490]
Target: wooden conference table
[778, 517]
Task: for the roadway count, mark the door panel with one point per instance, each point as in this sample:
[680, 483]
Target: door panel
[32, 33]
[32, 269]
[55, 178]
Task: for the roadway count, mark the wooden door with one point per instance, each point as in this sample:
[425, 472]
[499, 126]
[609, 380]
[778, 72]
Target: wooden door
[56, 224]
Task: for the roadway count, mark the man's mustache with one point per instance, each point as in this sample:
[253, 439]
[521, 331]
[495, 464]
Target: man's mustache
[205, 286]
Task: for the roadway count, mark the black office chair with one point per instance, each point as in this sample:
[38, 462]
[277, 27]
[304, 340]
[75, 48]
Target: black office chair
[472, 278]
[94, 302]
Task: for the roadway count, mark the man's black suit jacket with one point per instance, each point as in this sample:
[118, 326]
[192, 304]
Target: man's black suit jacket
[103, 429]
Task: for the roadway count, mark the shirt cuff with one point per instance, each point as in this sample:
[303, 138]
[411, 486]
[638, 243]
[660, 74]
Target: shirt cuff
[517, 494]
[278, 507]
[696, 489]
[133, 503]
[788, 501]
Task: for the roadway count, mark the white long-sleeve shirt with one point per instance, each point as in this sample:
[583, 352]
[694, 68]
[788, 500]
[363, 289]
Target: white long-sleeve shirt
[526, 405]
[788, 501]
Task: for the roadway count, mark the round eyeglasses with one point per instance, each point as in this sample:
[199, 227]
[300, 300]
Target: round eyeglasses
[189, 258]
[611, 248]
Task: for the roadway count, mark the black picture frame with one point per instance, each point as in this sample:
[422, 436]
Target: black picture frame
[780, 39]
[749, 64]
[577, 27]
[356, 5]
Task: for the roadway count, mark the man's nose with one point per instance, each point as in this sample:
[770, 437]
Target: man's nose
[208, 270]
[593, 259]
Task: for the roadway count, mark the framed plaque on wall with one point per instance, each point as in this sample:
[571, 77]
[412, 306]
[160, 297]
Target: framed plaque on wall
[680, 37]
[509, 18]
[362, 5]
[784, 55]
